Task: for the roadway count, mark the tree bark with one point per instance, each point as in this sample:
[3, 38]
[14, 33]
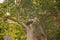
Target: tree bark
[30, 34]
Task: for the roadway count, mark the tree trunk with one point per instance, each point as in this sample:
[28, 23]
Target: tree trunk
[30, 34]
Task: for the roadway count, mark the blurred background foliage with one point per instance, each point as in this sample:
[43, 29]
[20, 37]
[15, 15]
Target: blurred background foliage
[47, 12]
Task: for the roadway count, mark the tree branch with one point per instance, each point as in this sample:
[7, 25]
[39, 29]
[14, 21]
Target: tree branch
[21, 23]
[18, 21]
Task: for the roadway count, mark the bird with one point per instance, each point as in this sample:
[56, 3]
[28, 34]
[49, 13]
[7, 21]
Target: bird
[31, 21]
